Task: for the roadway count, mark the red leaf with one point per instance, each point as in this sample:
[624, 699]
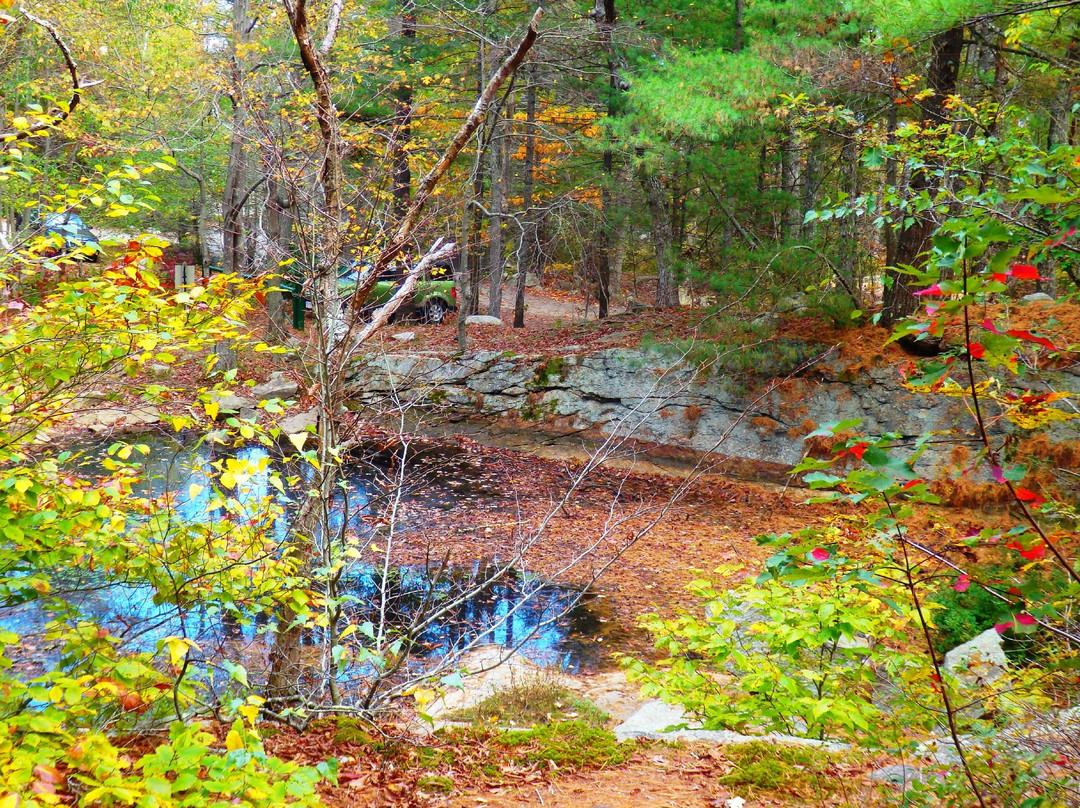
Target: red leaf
[859, 449]
[1025, 619]
[910, 484]
[997, 474]
[962, 583]
[1030, 337]
[930, 290]
[1033, 553]
[1001, 277]
[1061, 237]
[1025, 272]
[820, 554]
[1029, 496]
[977, 350]
[1001, 628]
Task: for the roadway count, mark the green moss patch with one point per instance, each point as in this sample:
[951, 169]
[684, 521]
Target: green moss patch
[530, 703]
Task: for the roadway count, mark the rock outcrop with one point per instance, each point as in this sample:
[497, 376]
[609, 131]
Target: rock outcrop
[757, 417]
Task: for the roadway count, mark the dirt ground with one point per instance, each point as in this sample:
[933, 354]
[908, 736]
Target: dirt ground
[663, 777]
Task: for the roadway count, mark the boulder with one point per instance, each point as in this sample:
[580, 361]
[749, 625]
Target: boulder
[112, 418]
[979, 661]
[161, 371]
[531, 280]
[404, 336]
[299, 422]
[482, 319]
[654, 718]
[233, 404]
[942, 751]
[278, 386]
[901, 775]
[1037, 297]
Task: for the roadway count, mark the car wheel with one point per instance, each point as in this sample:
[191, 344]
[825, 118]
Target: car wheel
[435, 311]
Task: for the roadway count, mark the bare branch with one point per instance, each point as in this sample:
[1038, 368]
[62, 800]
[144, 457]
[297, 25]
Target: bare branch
[438, 252]
[58, 114]
[431, 179]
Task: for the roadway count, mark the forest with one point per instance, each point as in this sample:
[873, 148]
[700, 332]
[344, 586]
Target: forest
[647, 403]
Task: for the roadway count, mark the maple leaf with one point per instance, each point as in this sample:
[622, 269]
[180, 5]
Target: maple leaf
[935, 289]
[1025, 272]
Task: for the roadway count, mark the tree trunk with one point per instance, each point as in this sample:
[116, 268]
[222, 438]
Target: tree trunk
[528, 247]
[605, 15]
[737, 39]
[496, 254]
[403, 111]
[278, 229]
[232, 203]
[811, 179]
[913, 240]
[1058, 134]
[667, 295]
[849, 235]
[790, 178]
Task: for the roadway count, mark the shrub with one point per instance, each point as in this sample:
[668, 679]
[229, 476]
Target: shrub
[773, 656]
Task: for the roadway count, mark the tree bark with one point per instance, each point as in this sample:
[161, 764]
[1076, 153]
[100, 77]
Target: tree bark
[790, 179]
[278, 228]
[667, 295]
[849, 240]
[496, 252]
[231, 204]
[913, 240]
[527, 247]
[605, 15]
[737, 40]
[403, 111]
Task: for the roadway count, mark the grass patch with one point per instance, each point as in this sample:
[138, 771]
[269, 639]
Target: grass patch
[352, 731]
[568, 744]
[530, 703]
[435, 783]
[760, 766]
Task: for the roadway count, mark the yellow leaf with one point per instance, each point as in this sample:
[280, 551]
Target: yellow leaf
[298, 439]
[233, 741]
[212, 408]
[194, 490]
[178, 649]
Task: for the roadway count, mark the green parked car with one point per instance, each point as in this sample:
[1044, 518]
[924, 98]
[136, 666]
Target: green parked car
[433, 298]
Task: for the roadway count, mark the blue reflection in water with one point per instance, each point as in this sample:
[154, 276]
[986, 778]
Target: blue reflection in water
[550, 624]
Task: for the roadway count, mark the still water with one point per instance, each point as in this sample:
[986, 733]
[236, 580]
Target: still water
[551, 624]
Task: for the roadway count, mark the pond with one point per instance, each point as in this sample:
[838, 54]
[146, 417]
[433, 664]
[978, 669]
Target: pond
[477, 604]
